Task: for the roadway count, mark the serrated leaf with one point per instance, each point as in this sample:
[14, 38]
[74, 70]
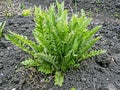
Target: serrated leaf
[93, 53]
[2, 25]
[45, 69]
[59, 79]
[30, 63]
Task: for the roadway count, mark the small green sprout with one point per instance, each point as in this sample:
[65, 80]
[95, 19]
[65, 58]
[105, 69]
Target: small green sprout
[117, 14]
[2, 25]
[26, 12]
[10, 3]
[73, 88]
[22, 5]
[8, 14]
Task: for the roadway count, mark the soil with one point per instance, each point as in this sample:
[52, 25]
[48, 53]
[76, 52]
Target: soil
[97, 73]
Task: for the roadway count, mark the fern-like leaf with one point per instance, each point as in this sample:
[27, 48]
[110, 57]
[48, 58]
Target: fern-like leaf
[30, 63]
[59, 78]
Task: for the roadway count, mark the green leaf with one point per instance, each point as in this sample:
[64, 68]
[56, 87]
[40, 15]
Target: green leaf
[2, 25]
[83, 12]
[89, 45]
[92, 53]
[30, 62]
[75, 44]
[59, 79]
[23, 43]
[45, 68]
[67, 61]
[26, 12]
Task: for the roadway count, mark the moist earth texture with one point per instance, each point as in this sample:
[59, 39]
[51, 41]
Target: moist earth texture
[97, 73]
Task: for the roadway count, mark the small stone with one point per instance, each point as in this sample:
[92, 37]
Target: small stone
[14, 89]
[107, 79]
[1, 55]
[9, 48]
[1, 74]
[43, 80]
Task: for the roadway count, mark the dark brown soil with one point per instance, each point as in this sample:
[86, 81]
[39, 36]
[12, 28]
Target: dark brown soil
[98, 73]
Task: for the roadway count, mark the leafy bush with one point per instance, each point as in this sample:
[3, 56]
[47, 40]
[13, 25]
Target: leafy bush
[61, 43]
[2, 25]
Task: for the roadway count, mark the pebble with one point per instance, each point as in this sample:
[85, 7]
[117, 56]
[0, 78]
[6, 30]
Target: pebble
[9, 48]
[14, 89]
[43, 80]
[1, 74]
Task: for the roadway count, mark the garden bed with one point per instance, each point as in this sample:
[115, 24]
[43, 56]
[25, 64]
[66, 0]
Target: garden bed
[97, 73]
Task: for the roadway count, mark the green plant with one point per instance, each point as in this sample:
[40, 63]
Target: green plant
[73, 88]
[60, 43]
[22, 5]
[8, 14]
[98, 2]
[89, 13]
[26, 12]
[10, 3]
[2, 25]
[117, 14]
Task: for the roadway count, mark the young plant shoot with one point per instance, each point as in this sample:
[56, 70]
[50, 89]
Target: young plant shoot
[26, 12]
[2, 25]
[60, 43]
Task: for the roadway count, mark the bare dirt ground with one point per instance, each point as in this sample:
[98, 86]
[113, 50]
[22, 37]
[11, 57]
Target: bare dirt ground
[98, 73]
